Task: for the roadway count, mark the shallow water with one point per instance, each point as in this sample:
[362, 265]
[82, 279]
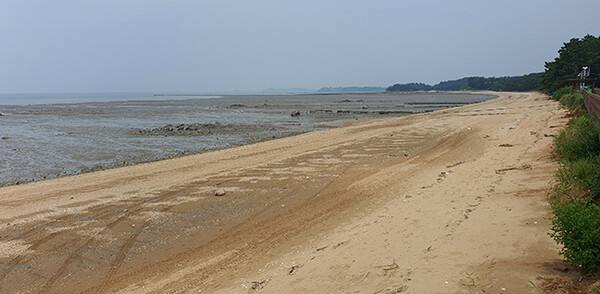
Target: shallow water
[51, 140]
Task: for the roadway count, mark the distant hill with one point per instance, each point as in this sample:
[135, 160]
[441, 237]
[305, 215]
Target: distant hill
[410, 87]
[452, 85]
[288, 91]
[529, 82]
[350, 89]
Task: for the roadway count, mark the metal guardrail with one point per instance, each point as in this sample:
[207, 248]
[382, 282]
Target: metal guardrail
[592, 104]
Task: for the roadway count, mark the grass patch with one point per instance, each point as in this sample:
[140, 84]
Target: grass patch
[587, 173]
[566, 189]
[561, 92]
[574, 101]
[579, 140]
[575, 197]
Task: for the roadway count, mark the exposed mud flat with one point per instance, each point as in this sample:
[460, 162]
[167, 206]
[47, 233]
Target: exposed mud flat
[46, 141]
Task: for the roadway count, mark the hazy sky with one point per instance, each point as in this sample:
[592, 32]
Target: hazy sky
[65, 46]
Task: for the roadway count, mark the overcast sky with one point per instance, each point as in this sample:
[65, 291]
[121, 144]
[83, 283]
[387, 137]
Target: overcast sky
[77, 46]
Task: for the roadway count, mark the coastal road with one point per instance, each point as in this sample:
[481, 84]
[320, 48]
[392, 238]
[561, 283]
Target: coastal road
[448, 201]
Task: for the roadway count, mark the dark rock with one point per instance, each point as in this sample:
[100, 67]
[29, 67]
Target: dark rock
[194, 129]
[295, 113]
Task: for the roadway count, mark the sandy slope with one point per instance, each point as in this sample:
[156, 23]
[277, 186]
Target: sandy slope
[374, 207]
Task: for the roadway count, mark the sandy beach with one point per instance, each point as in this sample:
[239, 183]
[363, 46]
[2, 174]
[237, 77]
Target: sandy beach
[441, 202]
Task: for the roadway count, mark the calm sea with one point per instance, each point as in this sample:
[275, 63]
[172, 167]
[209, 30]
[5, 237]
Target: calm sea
[27, 99]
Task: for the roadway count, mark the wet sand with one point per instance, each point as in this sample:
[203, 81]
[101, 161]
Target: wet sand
[410, 203]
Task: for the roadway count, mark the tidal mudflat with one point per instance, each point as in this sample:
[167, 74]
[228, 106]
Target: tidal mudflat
[42, 141]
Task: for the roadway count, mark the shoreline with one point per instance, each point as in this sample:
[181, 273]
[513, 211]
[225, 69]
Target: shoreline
[70, 123]
[336, 207]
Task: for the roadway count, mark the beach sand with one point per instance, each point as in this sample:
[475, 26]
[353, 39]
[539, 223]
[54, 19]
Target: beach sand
[441, 202]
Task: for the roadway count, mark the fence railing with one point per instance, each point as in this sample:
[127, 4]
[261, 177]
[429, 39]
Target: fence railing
[592, 104]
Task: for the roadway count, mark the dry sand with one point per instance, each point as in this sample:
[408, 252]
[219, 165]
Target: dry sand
[449, 201]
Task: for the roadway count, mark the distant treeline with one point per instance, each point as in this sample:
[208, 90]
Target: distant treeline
[573, 55]
[350, 89]
[529, 82]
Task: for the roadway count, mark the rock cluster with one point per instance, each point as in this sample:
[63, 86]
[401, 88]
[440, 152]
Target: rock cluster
[194, 129]
[197, 129]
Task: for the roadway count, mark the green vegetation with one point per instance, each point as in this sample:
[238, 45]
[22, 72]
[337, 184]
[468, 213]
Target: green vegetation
[574, 101]
[523, 83]
[575, 198]
[562, 92]
[528, 82]
[573, 55]
[587, 172]
[410, 87]
[577, 227]
[579, 140]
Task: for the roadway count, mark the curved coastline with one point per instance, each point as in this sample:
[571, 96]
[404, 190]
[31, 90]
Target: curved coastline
[285, 211]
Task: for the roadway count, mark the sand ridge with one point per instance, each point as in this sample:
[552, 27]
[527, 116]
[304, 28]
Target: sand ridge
[424, 203]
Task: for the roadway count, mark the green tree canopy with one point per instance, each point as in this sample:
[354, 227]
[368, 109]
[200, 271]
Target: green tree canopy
[529, 82]
[409, 87]
[572, 56]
